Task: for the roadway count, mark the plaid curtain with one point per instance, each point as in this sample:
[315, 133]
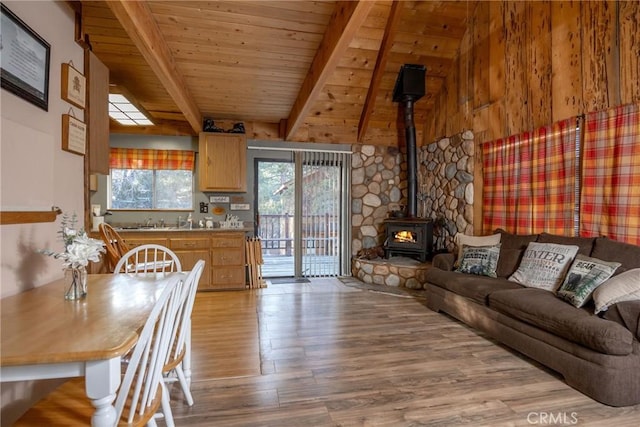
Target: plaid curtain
[136, 158]
[530, 181]
[610, 198]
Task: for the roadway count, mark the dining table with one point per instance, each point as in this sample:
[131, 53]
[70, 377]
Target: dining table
[45, 336]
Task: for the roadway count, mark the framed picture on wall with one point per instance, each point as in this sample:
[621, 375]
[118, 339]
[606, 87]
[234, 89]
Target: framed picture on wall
[24, 60]
[74, 135]
[73, 85]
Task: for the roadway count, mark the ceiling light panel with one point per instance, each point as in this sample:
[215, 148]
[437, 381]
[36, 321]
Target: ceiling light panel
[125, 113]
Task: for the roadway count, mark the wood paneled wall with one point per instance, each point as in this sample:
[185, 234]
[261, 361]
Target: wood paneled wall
[522, 65]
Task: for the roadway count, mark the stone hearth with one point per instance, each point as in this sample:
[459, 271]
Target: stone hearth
[395, 271]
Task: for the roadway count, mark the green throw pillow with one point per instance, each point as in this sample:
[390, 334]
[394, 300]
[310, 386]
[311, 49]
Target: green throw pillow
[584, 276]
[480, 260]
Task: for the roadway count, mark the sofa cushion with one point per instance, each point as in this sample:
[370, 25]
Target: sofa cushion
[610, 250]
[512, 246]
[480, 260]
[547, 312]
[467, 285]
[583, 277]
[544, 265]
[626, 313]
[443, 261]
[623, 287]
[462, 240]
[585, 244]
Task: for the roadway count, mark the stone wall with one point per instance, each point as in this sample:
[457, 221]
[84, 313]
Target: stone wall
[445, 189]
[378, 185]
[446, 186]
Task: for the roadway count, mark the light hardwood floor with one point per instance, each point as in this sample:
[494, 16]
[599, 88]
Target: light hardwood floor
[326, 354]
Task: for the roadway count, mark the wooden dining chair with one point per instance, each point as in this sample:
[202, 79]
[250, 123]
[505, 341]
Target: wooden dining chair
[141, 390]
[180, 345]
[114, 245]
[149, 258]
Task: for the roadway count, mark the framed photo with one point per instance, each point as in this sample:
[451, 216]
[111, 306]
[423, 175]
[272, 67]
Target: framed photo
[218, 199]
[24, 60]
[74, 135]
[73, 86]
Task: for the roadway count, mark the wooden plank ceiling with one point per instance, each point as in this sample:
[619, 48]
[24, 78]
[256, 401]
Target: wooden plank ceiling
[309, 71]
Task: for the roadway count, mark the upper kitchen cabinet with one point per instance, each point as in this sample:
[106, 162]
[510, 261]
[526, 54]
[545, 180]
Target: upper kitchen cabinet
[97, 114]
[223, 162]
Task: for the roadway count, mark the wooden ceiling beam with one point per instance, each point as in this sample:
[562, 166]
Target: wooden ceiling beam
[137, 20]
[344, 23]
[380, 68]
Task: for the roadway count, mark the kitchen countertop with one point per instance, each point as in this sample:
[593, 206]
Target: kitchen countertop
[176, 229]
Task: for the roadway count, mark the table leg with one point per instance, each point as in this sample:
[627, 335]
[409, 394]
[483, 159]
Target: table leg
[102, 382]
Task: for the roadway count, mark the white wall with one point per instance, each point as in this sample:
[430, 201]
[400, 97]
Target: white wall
[35, 174]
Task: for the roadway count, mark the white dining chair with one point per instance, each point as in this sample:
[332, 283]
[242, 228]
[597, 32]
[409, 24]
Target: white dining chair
[179, 356]
[149, 258]
[142, 387]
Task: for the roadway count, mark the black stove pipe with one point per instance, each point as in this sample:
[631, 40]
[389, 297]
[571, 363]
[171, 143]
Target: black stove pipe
[410, 87]
[412, 163]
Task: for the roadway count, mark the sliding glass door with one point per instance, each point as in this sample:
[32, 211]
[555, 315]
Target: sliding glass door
[275, 209]
[303, 214]
[321, 207]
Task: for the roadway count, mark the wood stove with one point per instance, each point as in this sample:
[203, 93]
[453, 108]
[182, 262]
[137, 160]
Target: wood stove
[411, 237]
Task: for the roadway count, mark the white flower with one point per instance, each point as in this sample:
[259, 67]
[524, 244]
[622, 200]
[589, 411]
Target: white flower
[79, 248]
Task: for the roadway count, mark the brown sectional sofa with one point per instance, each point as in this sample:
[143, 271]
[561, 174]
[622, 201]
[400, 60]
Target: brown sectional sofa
[599, 356]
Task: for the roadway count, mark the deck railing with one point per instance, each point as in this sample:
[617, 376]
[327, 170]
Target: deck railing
[319, 234]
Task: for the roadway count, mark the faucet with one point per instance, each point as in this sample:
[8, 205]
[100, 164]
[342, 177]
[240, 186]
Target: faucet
[148, 223]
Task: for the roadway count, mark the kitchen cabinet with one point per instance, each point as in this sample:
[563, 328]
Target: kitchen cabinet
[227, 261]
[222, 250]
[222, 162]
[189, 251]
[133, 242]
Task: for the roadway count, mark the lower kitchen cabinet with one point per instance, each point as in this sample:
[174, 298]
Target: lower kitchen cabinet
[134, 242]
[190, 251]
[222, 251]
[227, 261]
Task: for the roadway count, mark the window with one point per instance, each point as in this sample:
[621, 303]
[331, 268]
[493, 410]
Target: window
[151, 179]
[151, 189]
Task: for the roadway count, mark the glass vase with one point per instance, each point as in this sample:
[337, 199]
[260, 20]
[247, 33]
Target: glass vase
[75, 280]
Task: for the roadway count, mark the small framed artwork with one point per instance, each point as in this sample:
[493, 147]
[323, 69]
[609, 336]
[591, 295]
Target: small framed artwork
[73, 86]
[74, 135]
[24, 62]
[240, 206]
[218, 199]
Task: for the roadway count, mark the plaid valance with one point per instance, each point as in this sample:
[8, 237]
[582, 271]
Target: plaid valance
[138, 158]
